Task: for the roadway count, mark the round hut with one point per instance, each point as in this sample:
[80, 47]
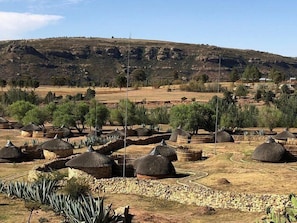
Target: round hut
[56, 148]
[90, 163]
[62, 132]
[223, 136]
[4, 123]
[10, 153]
[153, 167]
[143, 131]
[283, 136]
[180, 136]
[32, 130]
[164, 150]
[270, 151]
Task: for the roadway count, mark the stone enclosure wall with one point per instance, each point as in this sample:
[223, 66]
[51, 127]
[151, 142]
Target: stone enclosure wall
[197, 194]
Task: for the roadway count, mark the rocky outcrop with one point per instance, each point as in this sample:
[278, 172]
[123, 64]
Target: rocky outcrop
[103, 59]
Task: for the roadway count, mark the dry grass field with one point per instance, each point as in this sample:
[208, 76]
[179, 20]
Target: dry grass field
[231, 161]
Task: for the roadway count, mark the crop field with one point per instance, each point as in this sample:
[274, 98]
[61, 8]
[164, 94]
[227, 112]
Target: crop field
[229, 161]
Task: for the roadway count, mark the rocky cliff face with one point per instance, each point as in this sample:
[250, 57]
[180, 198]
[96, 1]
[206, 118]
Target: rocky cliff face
[78, 61]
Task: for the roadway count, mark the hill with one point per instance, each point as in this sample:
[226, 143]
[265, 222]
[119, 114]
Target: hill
[81, 61]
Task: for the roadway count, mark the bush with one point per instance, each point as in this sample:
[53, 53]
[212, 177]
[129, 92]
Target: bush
[76, 188]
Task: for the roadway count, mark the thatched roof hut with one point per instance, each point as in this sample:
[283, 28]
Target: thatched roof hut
[4, 123]
[270, 151]
[56, 148]
[153, 167]
[284, 135]
[62, 132]
[10, 153]
[164, 150]
[143, 131]
[91, 163]
[223, 136]
[180, 133]
[31, 130]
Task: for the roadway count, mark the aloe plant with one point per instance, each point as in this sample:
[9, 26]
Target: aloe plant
[288, 215]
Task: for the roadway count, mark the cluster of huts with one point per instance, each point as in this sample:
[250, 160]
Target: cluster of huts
[158, 163]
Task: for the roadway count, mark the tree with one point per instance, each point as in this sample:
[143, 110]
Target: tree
[19, 109]
[241, 91]
[276, 76]
[269, 116]
[90, 94]
[192, 117]
[71, 114]
[97, 115]
[234, 75]
[251, 73]
[119, 114]
[121, 81]
[138, 75]
[36, 115]
[288, 105]
[141, 114]
[159, 115]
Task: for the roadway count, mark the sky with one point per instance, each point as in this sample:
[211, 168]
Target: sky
[262, 25]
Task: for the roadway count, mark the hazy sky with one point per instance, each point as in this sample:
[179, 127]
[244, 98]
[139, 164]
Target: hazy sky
[264, 25]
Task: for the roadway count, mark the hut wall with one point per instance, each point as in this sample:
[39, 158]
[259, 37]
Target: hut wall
[196, 139]
[38, 134]
[57, 153]
[183, 140]
[26, 134]
[101, 172]
[184, 156]
[146, 177]
[292, 141]
[4, 126]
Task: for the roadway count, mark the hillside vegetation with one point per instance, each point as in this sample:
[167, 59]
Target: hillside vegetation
[98, 61]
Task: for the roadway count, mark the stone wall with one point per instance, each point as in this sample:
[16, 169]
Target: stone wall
[197, 194]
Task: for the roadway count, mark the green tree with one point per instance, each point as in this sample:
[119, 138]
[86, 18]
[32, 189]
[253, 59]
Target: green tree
[121, 81]
[276, 76]
[288, 105]
[251, 73]
[142, 116]
[234, 75]
[159, 115]
[19, 109]
[192, 117]
[241, 91]
[178, 115]
[97, 115]
[269, 116]
[125, 106]
[138, 75]
[71, 114]
[36, 115]
[90, 94]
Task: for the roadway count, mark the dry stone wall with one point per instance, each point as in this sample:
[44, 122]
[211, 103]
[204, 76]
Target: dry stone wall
[198, 194]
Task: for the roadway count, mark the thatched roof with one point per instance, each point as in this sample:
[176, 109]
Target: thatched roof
[223, 136]
[144, 132]
[90, 159]
[31, 127]
[164, 150]
[178, 131]
[54, 145]
[153, 165]
[270, 151]
[3, 120]
[284, 135]
[10, 151]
